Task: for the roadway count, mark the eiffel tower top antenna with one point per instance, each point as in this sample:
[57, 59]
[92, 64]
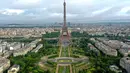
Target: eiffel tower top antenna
[64, 13]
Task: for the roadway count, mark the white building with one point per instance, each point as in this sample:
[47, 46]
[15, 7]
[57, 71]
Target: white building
[93, 49]
[115, 69]
[37, 48]
[125, 63]
[26, 49]
[4, 64]
[124, 45]
[14, 69]
[105, 49]
[15, 46]
[114, 44]
[124, 51]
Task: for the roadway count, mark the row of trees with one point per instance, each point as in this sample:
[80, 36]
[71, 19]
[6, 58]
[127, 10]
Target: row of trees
[128, 37]
[18, 39]
[129, 55]
[29, 62]
[98, 63]
[110, 36]
[51, 35]
[78, 34]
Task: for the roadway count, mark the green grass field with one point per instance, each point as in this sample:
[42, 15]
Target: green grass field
[64, 69]
[64, 52]
[60, 61]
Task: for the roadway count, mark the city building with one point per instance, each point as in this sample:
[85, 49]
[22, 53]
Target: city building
[37, 48]
[14, 69]
[4, 64]
[28, 47]
[105, 48]
[24, 32]
[93, 49]
[114, 44]
[125, 63]
[115, 69]
[124, 51]
[15, 46]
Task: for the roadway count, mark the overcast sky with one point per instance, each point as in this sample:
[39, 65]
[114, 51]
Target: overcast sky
[40, 11]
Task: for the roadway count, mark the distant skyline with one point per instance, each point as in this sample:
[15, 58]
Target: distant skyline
[45, 11]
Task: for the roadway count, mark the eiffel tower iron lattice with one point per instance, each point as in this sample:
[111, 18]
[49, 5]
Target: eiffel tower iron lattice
[65, 36]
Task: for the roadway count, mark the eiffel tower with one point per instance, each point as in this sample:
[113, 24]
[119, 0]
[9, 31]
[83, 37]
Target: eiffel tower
[65, 36]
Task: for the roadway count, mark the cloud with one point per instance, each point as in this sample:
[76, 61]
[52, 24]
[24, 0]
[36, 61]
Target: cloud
[71, 15]
[26, 3]
[61, 15]
[124, 11]
[77, 10]
[81, 2]
[100, 11]
[11, 11]
[56, 14]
